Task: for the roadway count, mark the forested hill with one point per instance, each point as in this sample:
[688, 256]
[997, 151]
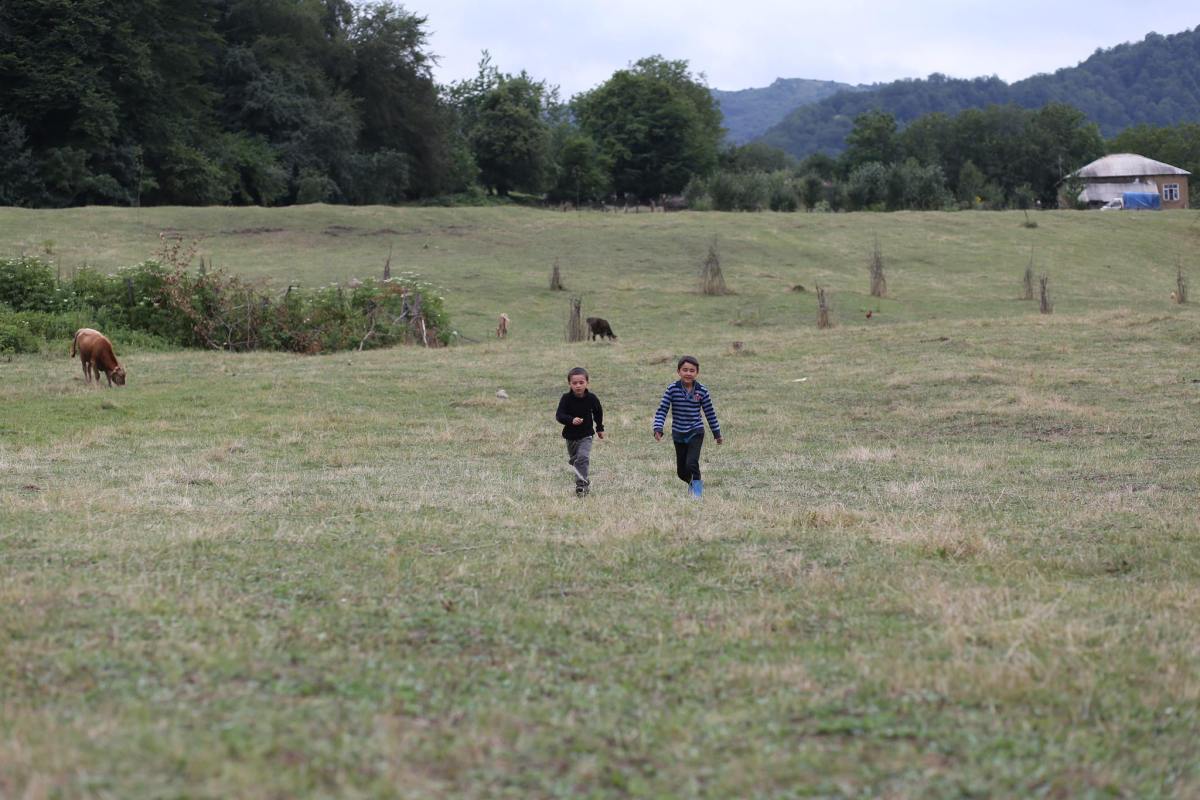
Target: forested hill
[750, 112]
[1155, 81]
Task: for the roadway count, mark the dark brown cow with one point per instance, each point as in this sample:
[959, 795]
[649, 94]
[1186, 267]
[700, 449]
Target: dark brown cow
[96, 354]
[600, 327]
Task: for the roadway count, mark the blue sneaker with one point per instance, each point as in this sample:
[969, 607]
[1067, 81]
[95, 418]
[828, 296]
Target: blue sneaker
[697, 488]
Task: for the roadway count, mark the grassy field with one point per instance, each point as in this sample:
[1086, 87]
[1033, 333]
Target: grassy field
[949, 551]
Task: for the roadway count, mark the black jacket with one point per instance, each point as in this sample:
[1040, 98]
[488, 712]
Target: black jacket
[586, 408]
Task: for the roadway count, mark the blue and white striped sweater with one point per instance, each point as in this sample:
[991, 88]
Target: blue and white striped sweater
[685, 410]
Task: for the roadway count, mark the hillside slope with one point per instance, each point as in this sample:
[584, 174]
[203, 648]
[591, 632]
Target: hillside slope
[750, 112]
[621, 263]
[1155, 81]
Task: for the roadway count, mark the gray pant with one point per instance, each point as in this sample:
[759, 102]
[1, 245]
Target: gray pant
[579, 455]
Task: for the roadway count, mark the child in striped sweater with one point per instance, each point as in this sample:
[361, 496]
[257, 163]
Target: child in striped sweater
[685, 399]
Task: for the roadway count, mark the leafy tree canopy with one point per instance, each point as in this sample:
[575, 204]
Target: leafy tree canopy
[755, 157]
[507, 121]
[656, 123]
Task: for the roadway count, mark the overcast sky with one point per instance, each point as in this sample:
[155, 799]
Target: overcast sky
[739, 44]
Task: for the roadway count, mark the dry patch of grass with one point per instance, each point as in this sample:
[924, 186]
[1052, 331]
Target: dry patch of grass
[934, 535]
[793, 676]
[1026, 400]
[492, 403]
[779, 564]
[864, 455]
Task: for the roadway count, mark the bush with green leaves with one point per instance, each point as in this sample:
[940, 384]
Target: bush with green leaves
[42, 330]
[695, 194]
[730, 190]
[221, 311]
[812, 190]
[15, 338]
[867, 186]
[47, 325]
[217, 310]
[28, 283]
[918, 187]
[746, 191]
[782, 192]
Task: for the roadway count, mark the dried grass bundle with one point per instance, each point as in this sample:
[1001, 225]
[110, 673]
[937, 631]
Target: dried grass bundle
[712, 281]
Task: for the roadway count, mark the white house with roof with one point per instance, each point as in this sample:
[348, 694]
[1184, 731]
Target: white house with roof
[1110, 177]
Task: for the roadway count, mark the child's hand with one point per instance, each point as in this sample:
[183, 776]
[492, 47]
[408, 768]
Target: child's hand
[658, 436]
[720, 440]
[600, 434]
[577, 421]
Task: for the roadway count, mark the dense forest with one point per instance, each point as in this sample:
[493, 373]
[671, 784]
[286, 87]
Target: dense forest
[1152, 82]
[197, 102]
[268, 102]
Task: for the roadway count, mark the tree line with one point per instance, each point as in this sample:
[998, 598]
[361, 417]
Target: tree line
[198, 102]
[267, 102]
[992, 158]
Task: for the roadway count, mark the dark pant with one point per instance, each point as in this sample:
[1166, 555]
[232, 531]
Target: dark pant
[687, 458]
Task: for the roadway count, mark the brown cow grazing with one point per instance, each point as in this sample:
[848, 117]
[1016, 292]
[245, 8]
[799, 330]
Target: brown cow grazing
[96, 354]
[502, 328]
[600, 327]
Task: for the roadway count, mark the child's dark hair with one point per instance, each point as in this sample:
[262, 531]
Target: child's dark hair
[576, 371]
[688, 360]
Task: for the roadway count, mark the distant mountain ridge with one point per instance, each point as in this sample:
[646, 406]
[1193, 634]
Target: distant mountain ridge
[1155, 81]
[749, 113]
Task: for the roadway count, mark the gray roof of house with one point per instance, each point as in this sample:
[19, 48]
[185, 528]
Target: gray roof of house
[1127, 165]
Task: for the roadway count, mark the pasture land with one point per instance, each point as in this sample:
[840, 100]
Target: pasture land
[952, 550]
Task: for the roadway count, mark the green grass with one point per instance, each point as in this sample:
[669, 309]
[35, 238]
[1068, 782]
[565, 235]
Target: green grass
[959, 558]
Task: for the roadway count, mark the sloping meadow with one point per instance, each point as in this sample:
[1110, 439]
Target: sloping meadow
[948, 550]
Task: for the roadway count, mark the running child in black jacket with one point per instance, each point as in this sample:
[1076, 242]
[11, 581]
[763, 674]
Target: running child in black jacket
[578, 411]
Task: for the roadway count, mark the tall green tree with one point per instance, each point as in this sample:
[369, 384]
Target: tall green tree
[582, 173]
[1060, 139]
[873, 138]
[656, 123]
[513, 124]
[19, 182]
[927, 139]
[406, 129]
[285, 76]
[511, 137]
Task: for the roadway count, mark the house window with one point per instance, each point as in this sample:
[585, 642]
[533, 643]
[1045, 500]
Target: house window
[1171, 191]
